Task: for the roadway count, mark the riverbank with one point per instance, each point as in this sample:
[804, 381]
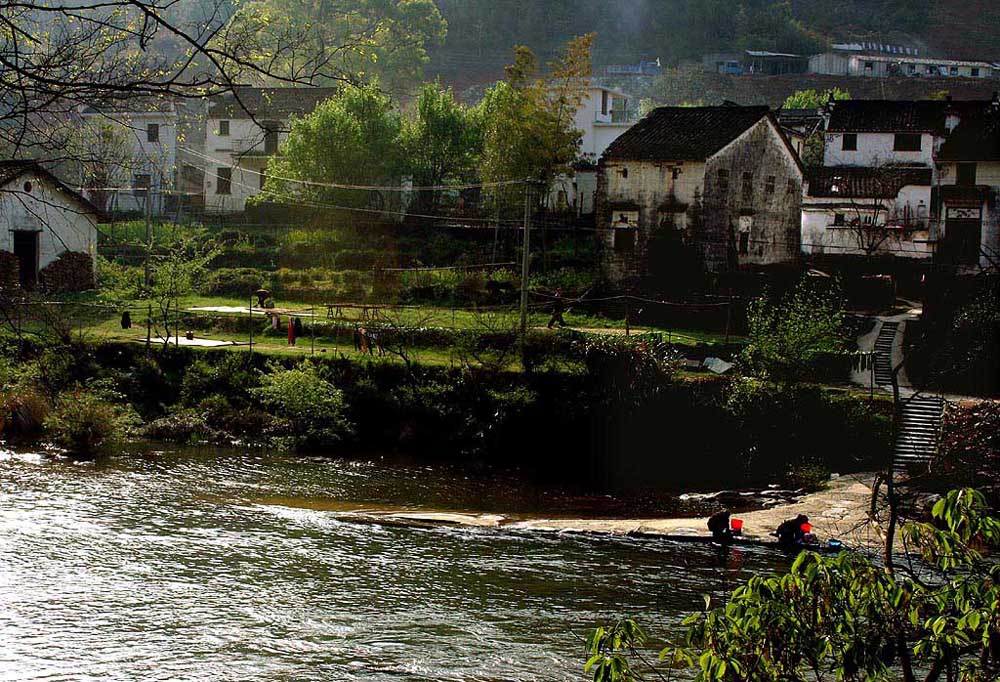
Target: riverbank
[838, 512]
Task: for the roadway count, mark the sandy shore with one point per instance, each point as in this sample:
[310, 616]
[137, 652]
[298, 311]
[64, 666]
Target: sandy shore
[838, 512]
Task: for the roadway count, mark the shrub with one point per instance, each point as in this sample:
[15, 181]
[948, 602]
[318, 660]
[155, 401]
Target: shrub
[71, 272]
[313, 406]
[9, 268]
[183, 426]
[235, 282]
[83, 422]
[22, 411]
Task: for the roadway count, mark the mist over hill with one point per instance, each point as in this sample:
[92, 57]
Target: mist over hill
[481, 33]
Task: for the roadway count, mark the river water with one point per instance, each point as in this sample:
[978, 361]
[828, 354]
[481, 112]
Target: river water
[238, 566]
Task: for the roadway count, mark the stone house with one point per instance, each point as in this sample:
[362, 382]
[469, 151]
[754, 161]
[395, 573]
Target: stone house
[41, 219]
[238, 145]
[722, 180]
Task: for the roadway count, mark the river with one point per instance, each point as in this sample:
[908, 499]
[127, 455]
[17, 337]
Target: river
[192, 565]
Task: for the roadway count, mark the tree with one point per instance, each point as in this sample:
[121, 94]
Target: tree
[814, 99]
[788, 334]
[935, 614]
[173, 277]
[350, 139]
[441, 143]
[870, 195]
[527, 120]
[361, 40]
[57, 57]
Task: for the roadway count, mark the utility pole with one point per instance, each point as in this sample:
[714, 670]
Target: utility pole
[525, 258]
[149, 235]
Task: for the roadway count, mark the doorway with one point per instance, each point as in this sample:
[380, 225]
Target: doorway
[26, 250]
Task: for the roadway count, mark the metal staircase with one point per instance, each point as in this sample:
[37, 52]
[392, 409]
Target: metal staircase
[919, 431]
[883, 353]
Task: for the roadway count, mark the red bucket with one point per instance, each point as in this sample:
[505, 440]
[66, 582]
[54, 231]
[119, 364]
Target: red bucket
[737, 525]
[807, 528]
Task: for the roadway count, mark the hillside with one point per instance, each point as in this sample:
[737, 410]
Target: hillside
[481, 33]
[692, 86]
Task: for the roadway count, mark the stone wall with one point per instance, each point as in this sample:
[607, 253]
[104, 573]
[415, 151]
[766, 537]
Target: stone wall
[687, 199]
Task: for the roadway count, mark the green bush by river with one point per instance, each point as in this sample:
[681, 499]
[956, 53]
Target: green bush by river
[626, 419]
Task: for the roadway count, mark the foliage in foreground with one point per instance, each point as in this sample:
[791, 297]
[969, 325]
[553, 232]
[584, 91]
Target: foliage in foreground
[83, 422]
[845, 617]
[313, 408]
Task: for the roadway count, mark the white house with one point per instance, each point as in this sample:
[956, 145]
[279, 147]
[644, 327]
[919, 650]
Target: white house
[850, 211]
[238, 144]
[602, 117]
[42, 218]
[927, 171]
[147, 168]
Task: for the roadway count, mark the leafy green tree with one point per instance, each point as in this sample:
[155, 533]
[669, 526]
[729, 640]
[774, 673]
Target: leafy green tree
[441, 142]
[933, 616]
[360, 41]
[312, 408]
[789, 334]
[353, 138]
[527, 120]
[814, 99]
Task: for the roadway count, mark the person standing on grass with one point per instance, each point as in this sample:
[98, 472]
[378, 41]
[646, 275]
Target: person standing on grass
[558, 308]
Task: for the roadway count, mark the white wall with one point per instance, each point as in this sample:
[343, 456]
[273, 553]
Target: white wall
[63, 223]
[156, 159]
[875, 149]
[243, 151]
[820, 236]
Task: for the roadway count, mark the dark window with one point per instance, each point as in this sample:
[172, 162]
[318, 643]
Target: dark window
[744, 243]
[723, 180]
[907, 142]
[271, 137]
[223, 128]
[791, 187]
[869, 66]
[838, 219]
[624, 172]
[769, 184]
[225, 181]
[140, 184]
[604, 102]
[849, 142]
[975, 72]
[153, 132]
[966, 174]
[747, 186]
[953, 71]
[624, 238]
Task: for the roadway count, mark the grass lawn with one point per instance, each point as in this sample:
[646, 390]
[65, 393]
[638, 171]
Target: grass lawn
[95, 323]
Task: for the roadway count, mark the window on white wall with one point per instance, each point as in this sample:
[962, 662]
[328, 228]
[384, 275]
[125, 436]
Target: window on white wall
[906, 142]
[153, 132]
[223, 128]
[849, 142]
[224, 181]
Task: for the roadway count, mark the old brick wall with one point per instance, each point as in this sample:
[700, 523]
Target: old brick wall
[770, 204]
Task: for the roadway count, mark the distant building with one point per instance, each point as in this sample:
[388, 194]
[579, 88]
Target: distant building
[238, 145]
[730, 63]
[602, 117]
[774, 63]
[799, 125]
[722, 180]
[884, 65]
[642, 68]
[41, 218]
[147, 169]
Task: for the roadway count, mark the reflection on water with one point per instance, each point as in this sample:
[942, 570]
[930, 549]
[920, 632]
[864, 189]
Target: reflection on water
[181, 566]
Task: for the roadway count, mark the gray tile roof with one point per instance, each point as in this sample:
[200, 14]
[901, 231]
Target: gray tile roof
[267, 102]
[684, 133]
[852, 182]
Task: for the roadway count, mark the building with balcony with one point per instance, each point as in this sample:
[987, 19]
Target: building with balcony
[244, 128]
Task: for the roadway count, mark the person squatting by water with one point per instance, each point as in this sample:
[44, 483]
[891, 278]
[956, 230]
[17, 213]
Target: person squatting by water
[718, 525]
[792, 532]
[558, 308]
